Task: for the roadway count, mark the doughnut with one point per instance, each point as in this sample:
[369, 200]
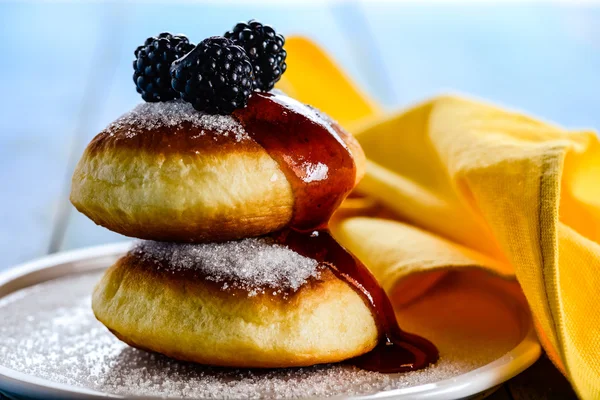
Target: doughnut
[248, 303]
[167, 172]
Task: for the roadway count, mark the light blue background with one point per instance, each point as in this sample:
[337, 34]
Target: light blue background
[65, 72]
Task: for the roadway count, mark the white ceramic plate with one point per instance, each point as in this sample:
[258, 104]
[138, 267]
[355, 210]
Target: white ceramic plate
[45, 322]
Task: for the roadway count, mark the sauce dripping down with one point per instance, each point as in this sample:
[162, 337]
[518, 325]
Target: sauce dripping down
[320, 167]
[309, 150]
[397, 351]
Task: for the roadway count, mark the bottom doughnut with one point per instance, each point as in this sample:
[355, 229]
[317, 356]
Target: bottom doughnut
[249, 303]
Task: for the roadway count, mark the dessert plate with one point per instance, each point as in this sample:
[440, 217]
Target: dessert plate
[51, 346]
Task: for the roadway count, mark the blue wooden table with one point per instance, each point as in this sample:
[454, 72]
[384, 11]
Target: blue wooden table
[65, 73]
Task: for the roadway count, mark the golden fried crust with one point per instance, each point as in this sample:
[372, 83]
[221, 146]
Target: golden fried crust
[193, 319]
[184, 183]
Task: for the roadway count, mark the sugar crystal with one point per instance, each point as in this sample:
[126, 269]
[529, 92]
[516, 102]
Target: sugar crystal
[253, 264]
[175, 112]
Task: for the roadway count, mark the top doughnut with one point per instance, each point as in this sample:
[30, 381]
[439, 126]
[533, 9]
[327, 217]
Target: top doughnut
[167, 172]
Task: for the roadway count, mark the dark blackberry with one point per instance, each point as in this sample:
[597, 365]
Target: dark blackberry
[265, 49]
[215, 77]
[152, 63]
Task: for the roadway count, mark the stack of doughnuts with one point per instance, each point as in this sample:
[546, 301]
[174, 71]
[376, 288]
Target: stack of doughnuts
[211, 283]
[235, 266]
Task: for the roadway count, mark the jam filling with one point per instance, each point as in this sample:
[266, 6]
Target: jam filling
[320, 167]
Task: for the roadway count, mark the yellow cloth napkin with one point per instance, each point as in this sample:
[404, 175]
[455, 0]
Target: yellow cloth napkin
[475, 186]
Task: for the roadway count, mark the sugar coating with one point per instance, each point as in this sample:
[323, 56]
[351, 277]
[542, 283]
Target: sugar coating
[175, 112]
[255, 265]
[49, 331]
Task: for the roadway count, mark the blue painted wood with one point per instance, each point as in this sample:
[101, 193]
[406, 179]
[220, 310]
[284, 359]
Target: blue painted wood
[543, 58]
[46, 52]
[368, 56]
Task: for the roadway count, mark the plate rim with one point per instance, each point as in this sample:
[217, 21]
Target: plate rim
[515, 361]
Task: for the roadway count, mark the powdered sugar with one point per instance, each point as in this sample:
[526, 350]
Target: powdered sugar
[176, 112]
[48, 331]
[254, 264]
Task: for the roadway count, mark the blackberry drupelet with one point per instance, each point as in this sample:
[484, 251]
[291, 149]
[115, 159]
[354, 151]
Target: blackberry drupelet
[265, 49]
[216, 77]
[152, 63]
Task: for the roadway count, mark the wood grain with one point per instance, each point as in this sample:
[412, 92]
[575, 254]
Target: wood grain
[542, 381]
[45, 67]
[500, 394]
[539, 57]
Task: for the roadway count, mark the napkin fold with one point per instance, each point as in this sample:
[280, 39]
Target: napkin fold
[454, 183]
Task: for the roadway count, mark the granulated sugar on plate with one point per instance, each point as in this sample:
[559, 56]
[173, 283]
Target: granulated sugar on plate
[175, 112]
[48, 331]
[254, 264]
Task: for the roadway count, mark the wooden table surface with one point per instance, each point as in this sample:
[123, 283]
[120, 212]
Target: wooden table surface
[65, 72]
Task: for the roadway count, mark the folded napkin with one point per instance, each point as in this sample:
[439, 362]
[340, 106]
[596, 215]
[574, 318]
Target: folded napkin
[468, 184]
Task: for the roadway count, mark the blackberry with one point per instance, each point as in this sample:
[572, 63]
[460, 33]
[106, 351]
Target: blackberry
[215, 77]
[152, 63]
[265, 49]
